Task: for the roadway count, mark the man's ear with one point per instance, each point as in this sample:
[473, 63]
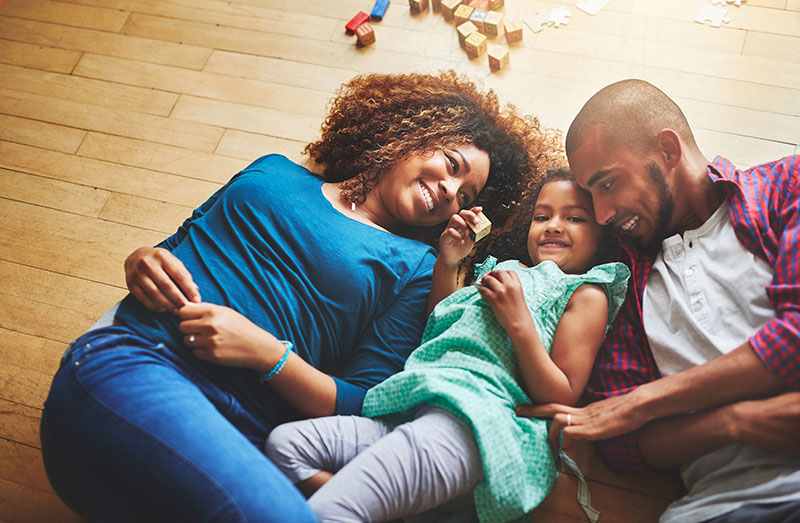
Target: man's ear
[670, 147]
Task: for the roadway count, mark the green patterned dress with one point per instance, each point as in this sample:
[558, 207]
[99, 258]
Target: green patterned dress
[466, 365]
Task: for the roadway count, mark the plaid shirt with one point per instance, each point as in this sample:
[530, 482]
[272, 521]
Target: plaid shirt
[764, 204]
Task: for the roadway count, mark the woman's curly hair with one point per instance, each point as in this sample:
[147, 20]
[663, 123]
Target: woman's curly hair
[376, 121]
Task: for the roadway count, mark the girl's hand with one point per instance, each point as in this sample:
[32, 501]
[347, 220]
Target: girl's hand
[503, 291]
[223, 336]
[159, 280]
[455, 242]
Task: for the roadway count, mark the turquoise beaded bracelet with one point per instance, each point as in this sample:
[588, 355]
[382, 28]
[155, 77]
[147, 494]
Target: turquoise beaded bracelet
[278, 366]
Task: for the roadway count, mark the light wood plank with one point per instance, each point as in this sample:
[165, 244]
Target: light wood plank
[145, 213]
[37, 57]
[273, 122]
[23, 386]
[20, 423]
[779, 47]
[274, 70]
[119, 122]
[85, 90]
[22, 465]
[22, 504]
[793, 5]
[67, 14]
[110, 44]
[104, 175]
[40, 134]
[31, 353]
[744, 151]
[87, 248]
[205, 84]
[163, 158]
[55, 194]
[45, 320]
[305, 25]
[250, 146]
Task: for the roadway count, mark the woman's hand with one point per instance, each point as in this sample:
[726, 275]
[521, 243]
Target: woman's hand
[503, 291]
[455, 242]
[159, 280]
[223, 336]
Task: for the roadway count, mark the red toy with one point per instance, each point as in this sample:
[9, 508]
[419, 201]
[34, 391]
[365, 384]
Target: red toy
[356, 21]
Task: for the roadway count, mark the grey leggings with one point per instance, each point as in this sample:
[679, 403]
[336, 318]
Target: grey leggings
[381, 473]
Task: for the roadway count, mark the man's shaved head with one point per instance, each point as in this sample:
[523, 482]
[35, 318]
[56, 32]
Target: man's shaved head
[629, 113]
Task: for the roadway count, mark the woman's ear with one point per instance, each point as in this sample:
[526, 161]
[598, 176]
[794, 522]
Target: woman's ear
[670, 147]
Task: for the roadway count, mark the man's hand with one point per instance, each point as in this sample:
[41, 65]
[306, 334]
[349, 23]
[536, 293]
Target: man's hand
[159, 280]
[772, 423]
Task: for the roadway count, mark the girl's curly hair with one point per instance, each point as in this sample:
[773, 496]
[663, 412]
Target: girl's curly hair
[512, 244]
[376, 121]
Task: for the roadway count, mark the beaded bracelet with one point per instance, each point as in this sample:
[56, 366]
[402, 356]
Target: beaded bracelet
[278, 366]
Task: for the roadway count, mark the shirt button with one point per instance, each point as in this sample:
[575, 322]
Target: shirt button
[689, 271]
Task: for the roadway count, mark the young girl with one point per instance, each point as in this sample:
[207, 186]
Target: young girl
[447, 423]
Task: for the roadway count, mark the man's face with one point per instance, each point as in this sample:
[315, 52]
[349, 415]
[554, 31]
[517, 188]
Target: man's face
[629, 190]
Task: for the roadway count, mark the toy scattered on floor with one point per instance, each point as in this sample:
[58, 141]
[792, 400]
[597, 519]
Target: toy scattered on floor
[449, 8]
[513, 31]
[559, 16]
[464, 30]
[715, 16]
[462, 13]
[737, 3]
[379, 9]
[537, 21]
[478, 17]
[418, 6]
[593, 7]
[483, 5]
[498, 57]
[365, 34]
[356, 21]
[475, 44]
[492, 23]
[478, 232]
[495, 5]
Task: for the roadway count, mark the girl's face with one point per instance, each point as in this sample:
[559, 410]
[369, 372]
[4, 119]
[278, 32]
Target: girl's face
[563, 229]
[425, 190]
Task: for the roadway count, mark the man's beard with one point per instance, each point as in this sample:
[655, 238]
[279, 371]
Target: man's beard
[666, 206]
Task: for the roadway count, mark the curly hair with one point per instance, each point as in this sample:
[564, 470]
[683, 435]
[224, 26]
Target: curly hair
[512, 244]
[376, 121]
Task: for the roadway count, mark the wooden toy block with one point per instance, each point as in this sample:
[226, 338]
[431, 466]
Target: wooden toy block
[418, 6]
[356, 21]
[513, 31]
[495, 5]
[436, 5]
[493, 23]
[365, 34]
[475, 44]
[464, 30]
[449, 8]
[498, 57]
[462, 13]
[480, 231]
[480, 4]
[477, 17]
[379, 9]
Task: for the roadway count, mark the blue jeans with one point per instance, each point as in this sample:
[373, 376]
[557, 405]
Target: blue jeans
[132, 432]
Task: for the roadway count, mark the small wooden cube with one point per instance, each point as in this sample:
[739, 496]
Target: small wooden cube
[462, 13]
[418, 6]
[498, 57]
[493, 23]
[365, 34]
[475, 44]
[449, 8]
[480, 4]
[351, 26]
[436, 5]
[480, 231]
[477, 17]
[494, 5]
[379, 9]
[464, 30]
[513, 31]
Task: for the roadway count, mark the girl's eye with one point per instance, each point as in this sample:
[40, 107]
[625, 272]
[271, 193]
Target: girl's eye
[464, 198]
[453, 163]
[540, 218]
[578, 219]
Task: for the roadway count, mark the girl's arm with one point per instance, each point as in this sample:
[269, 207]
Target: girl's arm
[561, 375]
[455, 244]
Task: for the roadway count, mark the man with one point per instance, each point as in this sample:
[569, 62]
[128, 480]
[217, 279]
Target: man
[702, 368]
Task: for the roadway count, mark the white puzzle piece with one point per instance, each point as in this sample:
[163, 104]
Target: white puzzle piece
[537, 21]
[594, 6]
[737, 3]
[713, 15]
[559, 16]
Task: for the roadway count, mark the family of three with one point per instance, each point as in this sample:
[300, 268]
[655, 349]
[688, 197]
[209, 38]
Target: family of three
[334, 346]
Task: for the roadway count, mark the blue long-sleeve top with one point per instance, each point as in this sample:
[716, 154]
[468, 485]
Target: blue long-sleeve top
[350, 297]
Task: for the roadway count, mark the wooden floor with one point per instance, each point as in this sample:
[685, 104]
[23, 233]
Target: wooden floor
[117, 117]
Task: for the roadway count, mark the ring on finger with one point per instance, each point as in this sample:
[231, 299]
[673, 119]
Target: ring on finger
[569, 419]
[191, 339]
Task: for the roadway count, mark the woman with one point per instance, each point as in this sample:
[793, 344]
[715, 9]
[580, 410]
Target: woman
[161, 416]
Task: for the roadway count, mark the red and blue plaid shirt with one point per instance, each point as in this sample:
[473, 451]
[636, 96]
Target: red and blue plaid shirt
[764, 204]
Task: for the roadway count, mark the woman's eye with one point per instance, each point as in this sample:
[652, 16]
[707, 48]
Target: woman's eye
[453, 163]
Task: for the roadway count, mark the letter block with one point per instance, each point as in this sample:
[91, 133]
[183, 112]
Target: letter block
[464, 30]
[418, 6]
[477, 17]
[513, 31]
[493, 23]
[475, 44]
[478, 232]
[356, 21]
[449, 8]
[495, 5]
[498, 57]
[365, 34]
[462, 13]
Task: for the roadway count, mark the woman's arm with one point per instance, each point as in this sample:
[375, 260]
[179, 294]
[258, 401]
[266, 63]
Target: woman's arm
[561, 375]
